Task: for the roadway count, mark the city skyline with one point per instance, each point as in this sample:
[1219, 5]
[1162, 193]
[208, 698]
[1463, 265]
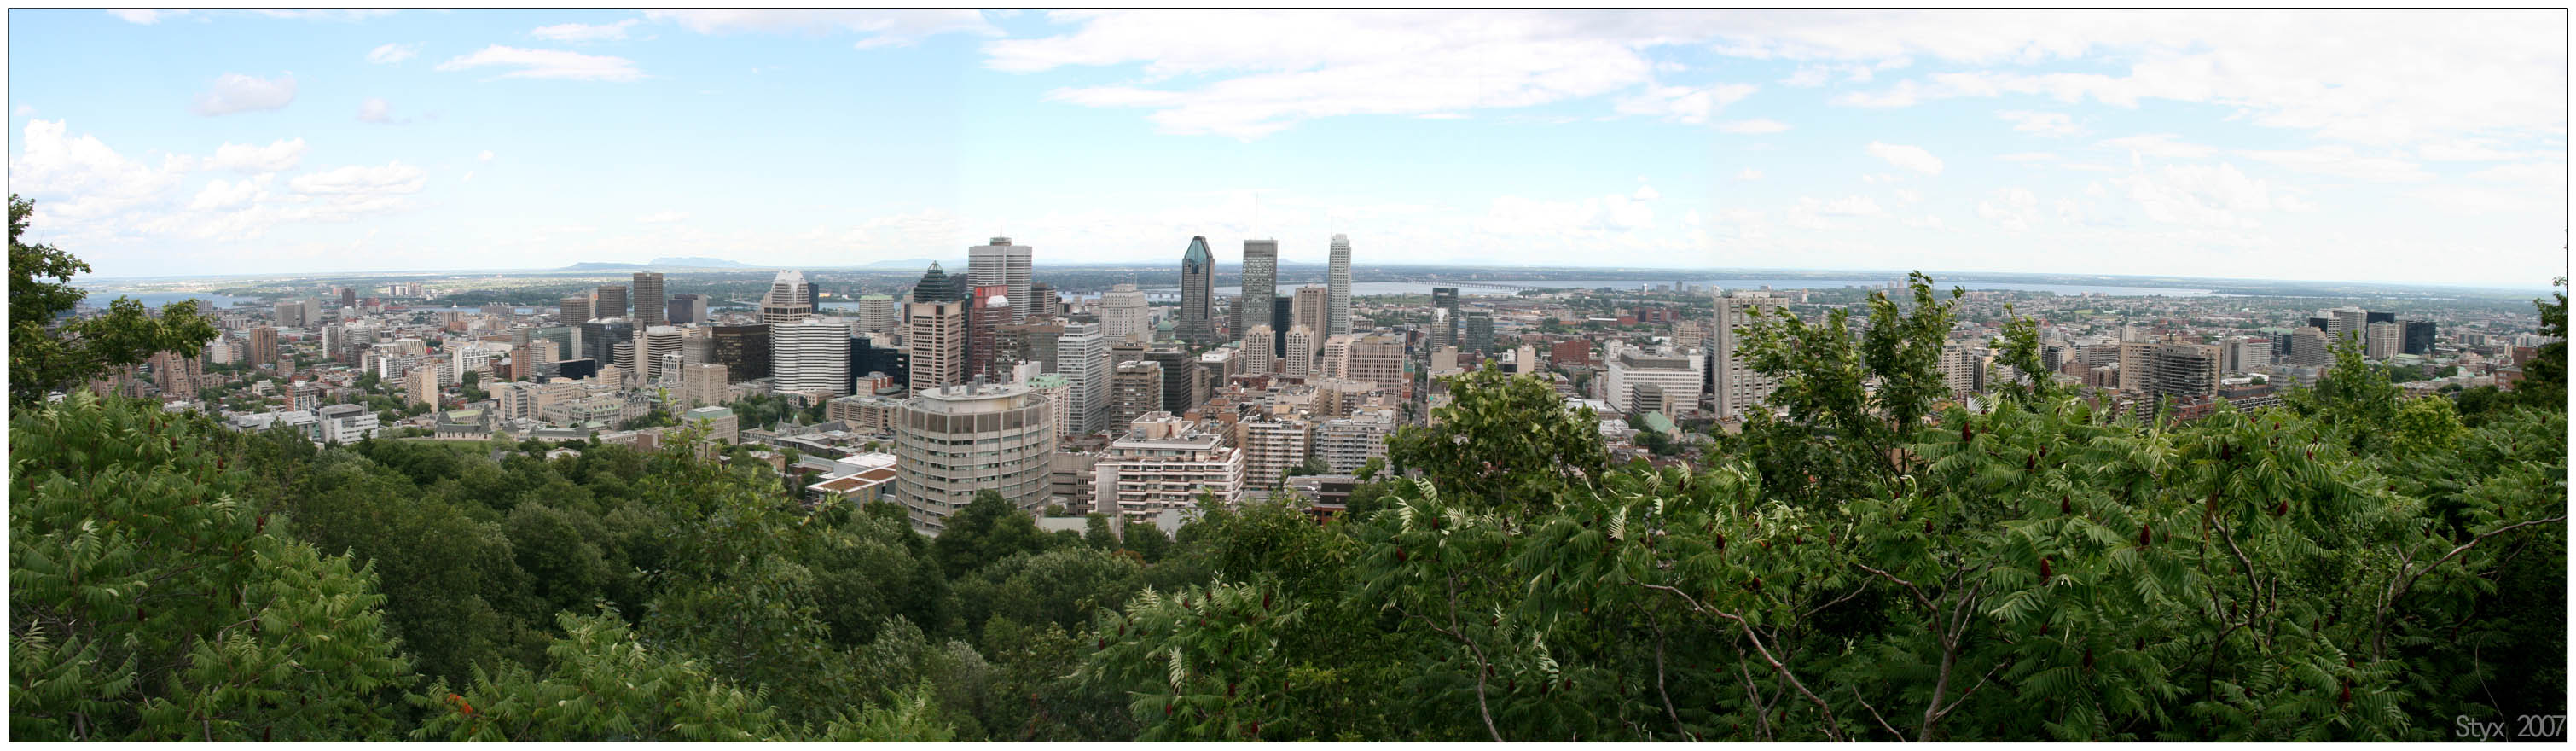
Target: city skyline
[2300, 145]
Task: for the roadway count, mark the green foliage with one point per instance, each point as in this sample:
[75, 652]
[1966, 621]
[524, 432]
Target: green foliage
[149, 601]
[1504, 440]
[987, 530]
[45, 356]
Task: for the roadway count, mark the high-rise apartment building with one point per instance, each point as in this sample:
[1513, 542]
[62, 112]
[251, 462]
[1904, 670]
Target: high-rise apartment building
[936, 341]
[1000, 263]
[1257, 357]
[2346, 322]
[263, 346]
[1299, 359]
[956, 441]
[1337, 303]
[1739, 386]
[790, 300]
[1272, 447]
[743, 350]
[1379, 359]
[1479, 338]
[1163, 463]
[1123, 314]
[1349, 442]
[1197, 323]
[2178, 372]
[1260, 284]
[2383, 340]
[702, 384]
[1135, 389]
[652, 308]
[608, 301]
[2308, 346]
[1082, 356]
[811, 356]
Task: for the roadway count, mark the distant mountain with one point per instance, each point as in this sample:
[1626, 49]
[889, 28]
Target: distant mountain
[696, 262]
[595, 266]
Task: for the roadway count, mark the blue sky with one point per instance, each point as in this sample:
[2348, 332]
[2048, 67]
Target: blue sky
[2365, 146]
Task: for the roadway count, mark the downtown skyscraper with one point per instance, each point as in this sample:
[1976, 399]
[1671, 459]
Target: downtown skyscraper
[1198, 295]
[1337, 302]
[651, 308]
[1260, 284]
[790, 300]
[1004, 264]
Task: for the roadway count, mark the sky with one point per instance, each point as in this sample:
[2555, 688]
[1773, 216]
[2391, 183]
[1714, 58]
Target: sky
[2388, 146]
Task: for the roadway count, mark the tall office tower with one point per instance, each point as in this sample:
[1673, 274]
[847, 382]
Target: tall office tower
[812, 355]
[1337, 303]
[1197, 323]
[2346, 320]
[1002, 264]
[936, 341]
[600, 336]
[608, 301]
[655, 342]
[1135, 389]
[1031, 341]
[1184, 384]
[1479, 338]
[1308, 310]
[1260, 285]
[1257, 357]
[1378, 359]
[1082, 356]
[2308, 346]
[687, 307]
[1739, 387]
[985, 314]
[623, 355]
[1163, 463]
[2378, 317]
[2181, 371]
[1444, 317]
[1272, 448]
[2383, 340]
[576, 310]
[789, 301]
[2320, 322]
[743, 350]
[290, 314]
[937, 286]
[954, 442]
[348, 297]
[651, 307]
[1283, 316]
[1299, 358]
[2419, 337]
[876, 353]
[1123, 314]
[879, 314]
[1043, 302]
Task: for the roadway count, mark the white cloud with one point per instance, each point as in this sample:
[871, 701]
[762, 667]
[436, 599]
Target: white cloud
[1684, 104]
[663, 217]
[2028, 156]
[1881, 178]
[375, 110]
[81, 178]
[2160, 145]
[2467, 150]
[883, 27]
[2550, 175]
[220, 195]
[1909, 157]
[1909, 195]
[548, 64]
[2042, 123]
[326, 14]
[393, 53]
[239, 93]
[393, 178]
[1749, 174]
[143, 16]
[2198, 195]
[278, 156]
[486, 156]
[1926, 221]
[2342, 161]
[1808, 77]
[1752, 127]
[576, 32]
[2017, 209]
[1811, 212]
